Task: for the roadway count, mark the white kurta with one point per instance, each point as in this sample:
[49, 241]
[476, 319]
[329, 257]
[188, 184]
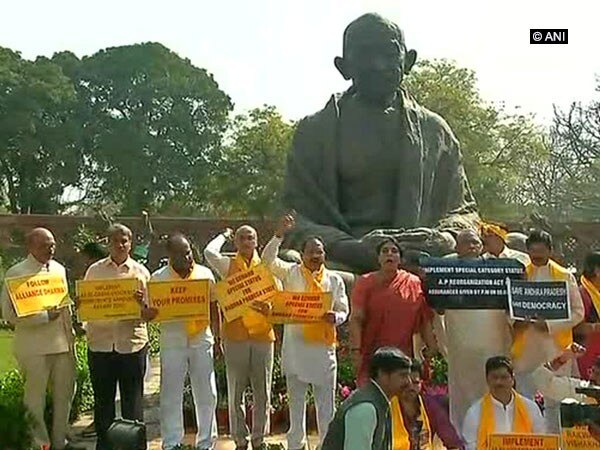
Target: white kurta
[559, 388]
[540, 346]
[509, 253]
[503, 415]
[472, 337]
[311, 363]
[181, 355]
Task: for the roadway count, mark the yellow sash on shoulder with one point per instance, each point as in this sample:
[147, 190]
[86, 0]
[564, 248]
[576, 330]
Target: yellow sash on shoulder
[400, 436]
[593, 291]
[193, 327]
[255, 322]
[522, 422]
[562, 338]
[319, 332]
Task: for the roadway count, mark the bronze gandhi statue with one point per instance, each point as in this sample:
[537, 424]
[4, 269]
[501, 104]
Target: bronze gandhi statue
[373, 162]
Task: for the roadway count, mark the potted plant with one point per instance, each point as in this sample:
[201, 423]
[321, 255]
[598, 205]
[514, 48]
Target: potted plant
[189, 410]
[436, 383]
[279, 411]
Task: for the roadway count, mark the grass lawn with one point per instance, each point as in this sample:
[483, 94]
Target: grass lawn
[7, 360]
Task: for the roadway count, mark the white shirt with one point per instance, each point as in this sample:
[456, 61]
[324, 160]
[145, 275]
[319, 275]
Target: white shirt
[509, 253]
[311, 363]
[174, 334]
[503, 415]
[559, 388]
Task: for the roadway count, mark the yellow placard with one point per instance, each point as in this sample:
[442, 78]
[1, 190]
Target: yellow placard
[300, 307]
[32, 294]
[180, 299]
[111, 299]
[578, 438]
[236, 293]
[515, 441]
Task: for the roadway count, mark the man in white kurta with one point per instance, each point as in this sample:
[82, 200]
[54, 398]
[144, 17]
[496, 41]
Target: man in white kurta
[505, 401]
[307, 363]
[537, 342]
[186, 347]
[471, 336]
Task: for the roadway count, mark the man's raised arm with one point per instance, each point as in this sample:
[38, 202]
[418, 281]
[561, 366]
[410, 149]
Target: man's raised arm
[279, 267]
[213, 255]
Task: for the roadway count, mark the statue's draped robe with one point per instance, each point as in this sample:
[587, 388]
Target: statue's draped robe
[431, 188]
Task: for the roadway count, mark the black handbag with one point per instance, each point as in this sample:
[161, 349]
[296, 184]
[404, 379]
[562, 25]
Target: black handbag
[126, 434]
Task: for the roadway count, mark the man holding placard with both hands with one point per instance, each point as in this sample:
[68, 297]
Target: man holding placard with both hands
[43, 343]
[308, 351]
[186, 344]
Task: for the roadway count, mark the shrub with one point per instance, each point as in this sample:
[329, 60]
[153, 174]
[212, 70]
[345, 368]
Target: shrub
[84, 395]
[154, 338]
[16, 424]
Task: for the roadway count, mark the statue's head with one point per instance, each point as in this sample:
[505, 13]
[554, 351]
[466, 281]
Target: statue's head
[375, 57]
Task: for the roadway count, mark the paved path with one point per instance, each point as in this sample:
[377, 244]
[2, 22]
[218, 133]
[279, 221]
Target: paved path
[152, 417]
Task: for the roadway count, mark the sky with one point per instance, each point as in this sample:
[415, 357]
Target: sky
[281, 52]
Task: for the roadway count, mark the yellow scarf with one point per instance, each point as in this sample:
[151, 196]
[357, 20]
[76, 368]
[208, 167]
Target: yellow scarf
[319, 332]
[193, 327]
[562, 338]
[400, 435]
[593, 291]
[255, 322]
[522, 423]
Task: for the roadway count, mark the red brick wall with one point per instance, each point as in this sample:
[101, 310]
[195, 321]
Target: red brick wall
[12, 227]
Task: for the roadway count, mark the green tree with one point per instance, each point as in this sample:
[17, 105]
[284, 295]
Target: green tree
[564, 186]
[152, 125]
[40, 154]
[249, 178]
[497, 147]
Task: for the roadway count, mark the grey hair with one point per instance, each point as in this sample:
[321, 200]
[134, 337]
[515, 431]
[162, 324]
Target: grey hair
[119, 228]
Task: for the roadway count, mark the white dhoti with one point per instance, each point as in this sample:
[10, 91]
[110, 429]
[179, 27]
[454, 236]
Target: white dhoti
[175, 364]
[308, 364]
[473, 336]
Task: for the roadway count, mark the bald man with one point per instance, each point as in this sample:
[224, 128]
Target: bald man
[186, 348]
[472, 336]
[43, 345]
[248, 343]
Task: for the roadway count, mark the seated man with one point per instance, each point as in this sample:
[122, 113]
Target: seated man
[363, 420]
[502, 409]
[417, 408]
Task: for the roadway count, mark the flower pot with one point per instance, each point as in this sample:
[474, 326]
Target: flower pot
[223, 420]
[189, 420]
[280, 420]
[311, 417]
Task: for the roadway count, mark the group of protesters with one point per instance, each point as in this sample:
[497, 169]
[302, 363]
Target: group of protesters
[497, 367]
